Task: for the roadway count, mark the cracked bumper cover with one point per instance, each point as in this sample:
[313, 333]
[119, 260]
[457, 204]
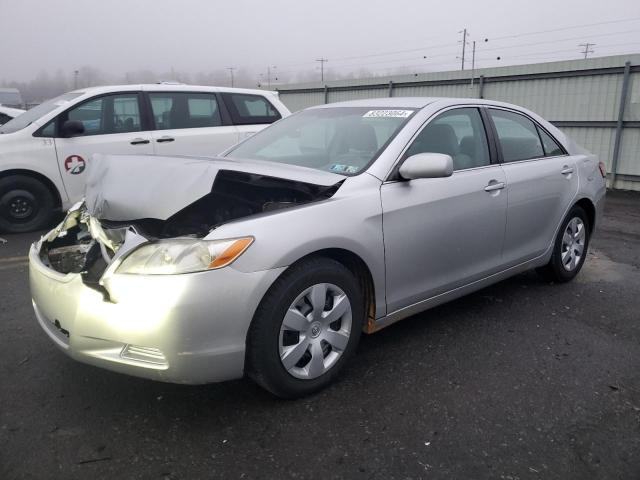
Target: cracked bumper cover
[188, 328]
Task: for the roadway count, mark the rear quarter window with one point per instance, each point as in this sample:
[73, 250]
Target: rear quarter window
[247, 109]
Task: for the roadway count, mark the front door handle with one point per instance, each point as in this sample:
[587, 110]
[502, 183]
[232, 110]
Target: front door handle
[139, 141]
[493, 186]
[165, 139]
[566, 170]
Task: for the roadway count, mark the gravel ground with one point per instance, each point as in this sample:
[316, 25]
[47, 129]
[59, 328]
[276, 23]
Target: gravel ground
[520, 380]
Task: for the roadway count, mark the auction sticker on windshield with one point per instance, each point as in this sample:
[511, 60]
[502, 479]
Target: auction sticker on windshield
[388, 114]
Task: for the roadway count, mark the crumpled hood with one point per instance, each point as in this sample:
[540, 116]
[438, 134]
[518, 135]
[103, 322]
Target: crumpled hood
[129, 187]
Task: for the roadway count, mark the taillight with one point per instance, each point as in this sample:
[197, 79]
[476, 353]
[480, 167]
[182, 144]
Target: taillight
[603, 169]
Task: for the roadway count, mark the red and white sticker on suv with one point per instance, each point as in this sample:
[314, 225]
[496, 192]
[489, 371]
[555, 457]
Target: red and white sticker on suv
[74, 164]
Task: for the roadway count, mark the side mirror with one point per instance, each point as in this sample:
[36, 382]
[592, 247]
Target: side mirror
[427, 165]
[72, 128]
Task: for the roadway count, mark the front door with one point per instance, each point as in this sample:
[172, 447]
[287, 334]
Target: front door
[112, 125]
[441, 233]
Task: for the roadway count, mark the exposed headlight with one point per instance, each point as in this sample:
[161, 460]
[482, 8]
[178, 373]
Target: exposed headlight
[167, 257]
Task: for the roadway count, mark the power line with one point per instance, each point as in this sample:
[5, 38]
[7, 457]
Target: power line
[493, 39]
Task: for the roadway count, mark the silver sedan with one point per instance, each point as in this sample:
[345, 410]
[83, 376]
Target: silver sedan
[271, 260]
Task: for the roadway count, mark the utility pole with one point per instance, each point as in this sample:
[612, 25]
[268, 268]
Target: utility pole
[587, 48]
[231, 69]
[464, 44]
[75, 79]
[473, 62]
[322, 62]
[269, 67]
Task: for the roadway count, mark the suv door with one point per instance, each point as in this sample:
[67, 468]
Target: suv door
[542, 181]
[250, 113]
[442, 233]
[112, 123]
[190, 123]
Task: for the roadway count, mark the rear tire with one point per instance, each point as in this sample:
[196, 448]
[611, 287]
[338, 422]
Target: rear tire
[306, 328]
[569, 249]
[26, 204]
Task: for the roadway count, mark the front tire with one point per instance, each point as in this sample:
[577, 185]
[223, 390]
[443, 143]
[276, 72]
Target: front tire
[306, 328]
[26, 204]
[569, 249]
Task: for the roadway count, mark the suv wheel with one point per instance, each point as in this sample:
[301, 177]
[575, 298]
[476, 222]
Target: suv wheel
[26, 204]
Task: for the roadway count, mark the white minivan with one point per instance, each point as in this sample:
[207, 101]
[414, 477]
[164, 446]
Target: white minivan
[44, 152]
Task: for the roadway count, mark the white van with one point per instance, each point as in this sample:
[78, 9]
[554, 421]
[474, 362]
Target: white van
[44, 152]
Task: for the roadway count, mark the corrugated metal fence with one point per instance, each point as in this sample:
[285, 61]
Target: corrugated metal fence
[595, 101]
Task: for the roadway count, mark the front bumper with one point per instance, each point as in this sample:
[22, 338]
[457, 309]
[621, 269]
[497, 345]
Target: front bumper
[187, 328]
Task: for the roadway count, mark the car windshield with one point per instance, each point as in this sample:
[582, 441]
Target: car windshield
[342, 140]
[30, 116]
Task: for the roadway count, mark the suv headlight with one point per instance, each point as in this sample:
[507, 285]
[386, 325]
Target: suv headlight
[168, 257]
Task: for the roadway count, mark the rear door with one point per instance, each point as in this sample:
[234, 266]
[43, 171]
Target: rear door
[250, 113]
[542, 181]
[113, 124]
[190, 123]
[442, 233]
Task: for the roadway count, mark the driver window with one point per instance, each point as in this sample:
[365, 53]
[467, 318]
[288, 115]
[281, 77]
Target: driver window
[459, 133]
[107, 114]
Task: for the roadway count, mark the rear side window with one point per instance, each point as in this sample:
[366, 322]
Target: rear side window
[518, 136]
[248, 109]
[4, 118]
[185, 110]
[551, 147]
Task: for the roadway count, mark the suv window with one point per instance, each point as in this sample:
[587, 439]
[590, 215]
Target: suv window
[459, 133]
[185, 110]
[4, 118]
[107, 114]
[518, 136]
[246, 109]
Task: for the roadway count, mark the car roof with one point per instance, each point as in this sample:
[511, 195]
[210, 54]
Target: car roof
[168, 87]
[416, 102]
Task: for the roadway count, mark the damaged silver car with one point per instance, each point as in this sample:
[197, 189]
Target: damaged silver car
[271, 260]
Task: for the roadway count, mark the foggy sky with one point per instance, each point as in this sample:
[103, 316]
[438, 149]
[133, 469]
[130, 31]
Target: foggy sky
[117, 36]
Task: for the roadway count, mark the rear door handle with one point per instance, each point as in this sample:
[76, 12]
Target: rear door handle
[165, 139]
[493, 185]
[139, 141]
[566, 170]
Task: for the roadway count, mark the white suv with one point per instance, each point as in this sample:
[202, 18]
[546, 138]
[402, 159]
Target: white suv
[44, 152]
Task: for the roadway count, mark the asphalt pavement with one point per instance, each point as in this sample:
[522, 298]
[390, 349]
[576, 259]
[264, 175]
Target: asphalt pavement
[520, 380]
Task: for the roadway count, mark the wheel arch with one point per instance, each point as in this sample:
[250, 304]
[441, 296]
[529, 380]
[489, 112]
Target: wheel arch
[358, 267]
[590, 209]
[37, 176]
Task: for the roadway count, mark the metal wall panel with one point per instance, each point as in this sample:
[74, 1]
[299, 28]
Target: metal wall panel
[300, 101]
[344, 95]
[629, 161]
[577, 98]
